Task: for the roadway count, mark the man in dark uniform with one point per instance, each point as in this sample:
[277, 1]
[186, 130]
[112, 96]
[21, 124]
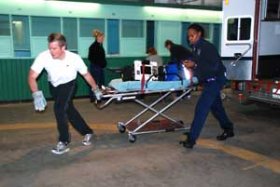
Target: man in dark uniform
[207, 66]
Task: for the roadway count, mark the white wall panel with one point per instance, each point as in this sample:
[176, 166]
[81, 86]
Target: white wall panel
[167, 30]
[132, 46]
[83, 45]
[6, 49]
[38, 44]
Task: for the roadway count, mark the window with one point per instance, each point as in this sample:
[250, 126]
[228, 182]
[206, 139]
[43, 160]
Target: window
[273, 10]
[4, 25]
[132, 29]
[113, 36]
[70, 32]
[207, 31]
[184, 38]
[245, 28]
[216, 36]
[88, 25]
[43, 26]
[21, 36]
[239, 29]
[232, 26]
[150, 33]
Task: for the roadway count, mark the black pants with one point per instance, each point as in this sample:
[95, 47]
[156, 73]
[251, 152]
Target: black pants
[98, 74]
[65, 111]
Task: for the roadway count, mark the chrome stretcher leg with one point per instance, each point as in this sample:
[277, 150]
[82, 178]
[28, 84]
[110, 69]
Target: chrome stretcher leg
[136, 131]
[156, 111]
[160, 112]
[122, 126]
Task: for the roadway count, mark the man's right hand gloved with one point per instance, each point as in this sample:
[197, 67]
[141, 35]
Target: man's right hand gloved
[39, 101]
[98, 94]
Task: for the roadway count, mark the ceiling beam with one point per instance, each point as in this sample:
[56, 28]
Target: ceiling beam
[146, 3]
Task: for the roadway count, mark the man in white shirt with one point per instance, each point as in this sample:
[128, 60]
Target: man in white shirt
[62, 67]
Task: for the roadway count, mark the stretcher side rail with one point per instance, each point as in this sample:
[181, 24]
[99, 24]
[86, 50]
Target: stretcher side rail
[108, 97]
[165, 74]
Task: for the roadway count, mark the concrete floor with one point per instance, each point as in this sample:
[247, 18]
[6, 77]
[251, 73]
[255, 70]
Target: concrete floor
[251, 158]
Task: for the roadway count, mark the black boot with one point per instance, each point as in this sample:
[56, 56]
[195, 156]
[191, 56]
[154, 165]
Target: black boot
[226, 134]
[187, 143]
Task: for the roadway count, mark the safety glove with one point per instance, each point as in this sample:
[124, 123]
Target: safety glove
[39, 101]
[98, 94]
[194, 80]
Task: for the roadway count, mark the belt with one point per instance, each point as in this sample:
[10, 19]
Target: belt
[211, 79]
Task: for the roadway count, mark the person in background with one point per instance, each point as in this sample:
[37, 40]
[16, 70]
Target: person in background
[153, 56]
[208, 68]
[97, 58]
[62, 67]
[178, 53]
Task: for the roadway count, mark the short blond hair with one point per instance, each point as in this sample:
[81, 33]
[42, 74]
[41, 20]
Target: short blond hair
[96, 33]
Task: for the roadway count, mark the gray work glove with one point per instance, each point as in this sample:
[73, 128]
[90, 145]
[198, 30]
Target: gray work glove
[39, 101]
[98, 94]
[195, 80]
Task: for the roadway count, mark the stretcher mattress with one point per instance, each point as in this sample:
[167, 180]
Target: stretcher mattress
[130, 86]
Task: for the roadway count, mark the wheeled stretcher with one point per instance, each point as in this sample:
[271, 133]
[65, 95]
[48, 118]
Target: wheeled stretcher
[131, 90]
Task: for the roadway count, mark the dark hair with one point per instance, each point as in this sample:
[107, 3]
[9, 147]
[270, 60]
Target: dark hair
[168, 42]
[198, 28]
[57, 37]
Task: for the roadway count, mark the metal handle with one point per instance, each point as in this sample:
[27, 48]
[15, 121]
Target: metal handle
[239, 55]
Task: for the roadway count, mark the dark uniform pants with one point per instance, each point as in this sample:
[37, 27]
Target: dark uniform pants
[65, 111]
[210, 100]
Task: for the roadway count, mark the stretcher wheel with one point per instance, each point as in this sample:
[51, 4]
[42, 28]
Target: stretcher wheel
[121, 127]
[181, 122]
[131, 138]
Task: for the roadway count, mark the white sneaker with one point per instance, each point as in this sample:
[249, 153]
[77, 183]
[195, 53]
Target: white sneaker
[60, 148]
[87, 139]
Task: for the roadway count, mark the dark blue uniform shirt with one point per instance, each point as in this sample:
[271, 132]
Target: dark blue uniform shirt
[208, 61]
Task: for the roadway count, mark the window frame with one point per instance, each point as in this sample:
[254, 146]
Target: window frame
[268, 15]
[239, 18]
[8, 31]
[25, 49]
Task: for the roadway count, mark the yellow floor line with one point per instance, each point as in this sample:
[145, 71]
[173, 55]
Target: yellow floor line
[256, 158]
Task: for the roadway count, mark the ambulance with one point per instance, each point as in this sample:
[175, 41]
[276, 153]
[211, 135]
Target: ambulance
[250, 49]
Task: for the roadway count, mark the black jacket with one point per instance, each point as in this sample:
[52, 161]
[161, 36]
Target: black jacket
[208, 61]
[179, 53]
[96, 54]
